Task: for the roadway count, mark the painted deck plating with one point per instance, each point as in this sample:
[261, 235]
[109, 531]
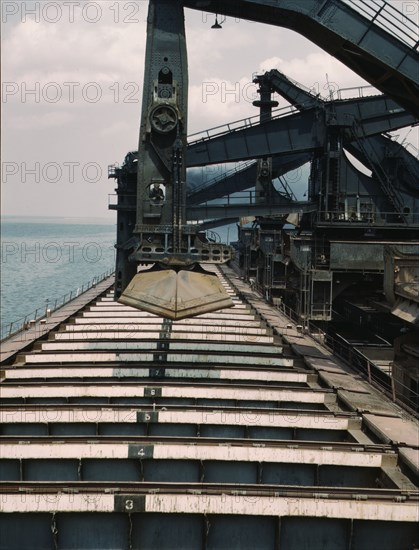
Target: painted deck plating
[234, 419]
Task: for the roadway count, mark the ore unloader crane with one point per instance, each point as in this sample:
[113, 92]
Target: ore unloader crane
[176, 286]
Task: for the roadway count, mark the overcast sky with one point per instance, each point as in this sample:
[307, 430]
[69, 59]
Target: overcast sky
[72, 83]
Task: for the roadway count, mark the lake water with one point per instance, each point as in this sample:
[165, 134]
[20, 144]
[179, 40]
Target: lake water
[44, 259]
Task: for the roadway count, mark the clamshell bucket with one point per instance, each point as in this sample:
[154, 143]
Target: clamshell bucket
[176, 294]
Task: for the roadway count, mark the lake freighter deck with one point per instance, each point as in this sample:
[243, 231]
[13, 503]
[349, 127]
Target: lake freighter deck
[229, 430]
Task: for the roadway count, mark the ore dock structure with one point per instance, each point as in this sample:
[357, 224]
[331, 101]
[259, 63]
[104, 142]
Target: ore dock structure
[198, 398]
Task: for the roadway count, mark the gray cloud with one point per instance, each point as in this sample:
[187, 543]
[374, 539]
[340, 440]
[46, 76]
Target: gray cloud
[78, 60]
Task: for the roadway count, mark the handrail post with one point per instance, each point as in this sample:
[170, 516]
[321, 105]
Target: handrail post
[393, 389]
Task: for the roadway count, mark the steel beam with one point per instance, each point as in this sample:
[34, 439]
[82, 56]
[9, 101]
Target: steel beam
[379, 44]
[299, 132]
[199, 212]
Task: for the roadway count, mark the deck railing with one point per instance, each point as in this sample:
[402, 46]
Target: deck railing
[10, 329]
[398, 392]
[399, 23]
